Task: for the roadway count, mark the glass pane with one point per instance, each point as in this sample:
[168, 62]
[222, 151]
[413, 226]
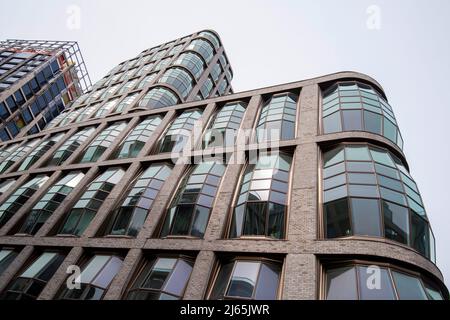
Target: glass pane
[332, 123]
[244, 279]
[332, 157]
[366, 217]
[390, 130]
[341, 284]
[396, 222]
[337, 219]
[420, 236]
[108, 273]
[334, 194]
[382, 157]
[433, 293]
[160, 272]
[267, 282]
[372, 122]
[255, 218]
[93, 268]
[352, 120]
[38, 265]
[221, 282]
[179, 278]
[408, 287]
[375, 284]
[357, 153]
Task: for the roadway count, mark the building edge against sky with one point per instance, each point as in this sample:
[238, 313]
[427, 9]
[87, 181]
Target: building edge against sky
[308, 221]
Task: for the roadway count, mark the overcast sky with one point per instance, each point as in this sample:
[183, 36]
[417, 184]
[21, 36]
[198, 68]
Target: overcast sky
[405, 45]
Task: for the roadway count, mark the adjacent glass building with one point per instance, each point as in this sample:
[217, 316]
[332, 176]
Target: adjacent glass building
[38, 80]
[110, 186]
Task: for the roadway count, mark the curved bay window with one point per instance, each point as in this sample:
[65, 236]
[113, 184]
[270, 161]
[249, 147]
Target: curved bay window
[203, 47]
[189, 211]
[261, 205]
[277, 118]
[191, 61]
[179, 131]
[70, 145]
[30, 283]
[17, 155]
[211, 37]
[130, 217]
[20, 197]
[50, 202]
[158, 97]
[102, 142]
[87, 206]
[39, 151]
[6, 185]
[95, 278]
[368, 192]
[247, 279]
[180, 79]
[355, 281]
[223, 130]
[355, 106]
[137, 138]
[162, 278]
[6, 257]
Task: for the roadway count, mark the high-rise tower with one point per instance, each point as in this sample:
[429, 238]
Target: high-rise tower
[38, 80]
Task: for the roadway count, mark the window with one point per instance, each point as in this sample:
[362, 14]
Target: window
[158, 97]
[206, 88]
[20, 197]
[39, 151]
[247, 280]
[408, 287]
[147, 80]
[70, 145]
[30, 283]
[341, 284]
[211, 37]
[137, 138]
[17, 155]
[222, 86]
[216, 71]
[6, 257]
[179, 131]
[277, 118]
[179, 79]
[6, 185]
[191, 61]
[203, 47]
[87, 206]
[223, 130]
[163, 278]
[354, 106]
[95, 278]
[189, 211]
[132, 213]
[261, 206]
[358, 281]
[6, 151]
[86, 112]
[368, 192]
[125, 103]
[106, 108]
[102, 142]
[50, 202]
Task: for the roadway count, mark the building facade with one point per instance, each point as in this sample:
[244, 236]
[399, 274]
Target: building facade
[142, 187]
[38, 80]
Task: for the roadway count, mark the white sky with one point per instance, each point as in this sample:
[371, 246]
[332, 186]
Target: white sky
[293, 40]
